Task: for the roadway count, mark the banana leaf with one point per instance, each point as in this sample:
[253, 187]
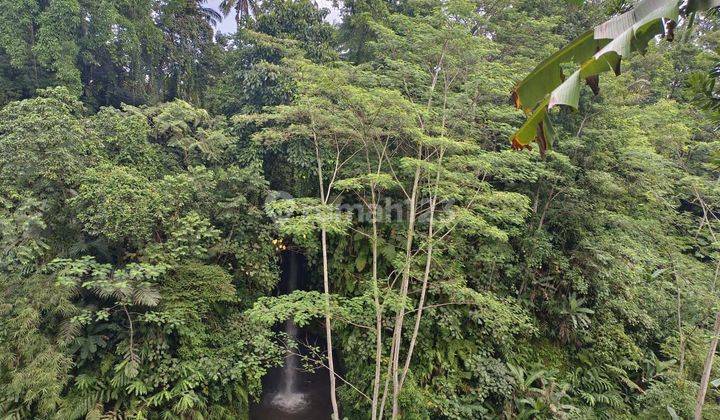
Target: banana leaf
[596, 51]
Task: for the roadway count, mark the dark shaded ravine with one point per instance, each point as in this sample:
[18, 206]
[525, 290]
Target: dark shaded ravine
[290, 392]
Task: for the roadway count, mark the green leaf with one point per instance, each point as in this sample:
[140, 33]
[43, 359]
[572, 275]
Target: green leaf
[527, 133]
[568, 93]
[548, 74]
[360, 261]
[619, 37]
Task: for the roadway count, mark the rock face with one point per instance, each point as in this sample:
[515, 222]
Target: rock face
[290, 392]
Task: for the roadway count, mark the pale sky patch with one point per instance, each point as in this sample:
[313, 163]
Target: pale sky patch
[228, 23]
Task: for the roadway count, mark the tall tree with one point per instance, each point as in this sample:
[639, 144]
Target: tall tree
[244, 9]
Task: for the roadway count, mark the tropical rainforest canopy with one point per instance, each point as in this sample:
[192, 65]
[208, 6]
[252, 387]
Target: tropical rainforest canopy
[154, 171]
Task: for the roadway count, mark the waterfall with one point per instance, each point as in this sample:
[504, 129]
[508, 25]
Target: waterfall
[290, 397]
[292, 365]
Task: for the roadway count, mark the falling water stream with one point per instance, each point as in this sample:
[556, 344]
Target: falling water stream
[290, 392]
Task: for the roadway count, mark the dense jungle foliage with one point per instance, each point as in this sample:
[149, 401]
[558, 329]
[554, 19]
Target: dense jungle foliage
[139, 241]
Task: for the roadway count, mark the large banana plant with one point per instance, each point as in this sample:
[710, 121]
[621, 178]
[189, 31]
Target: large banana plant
[596, 51]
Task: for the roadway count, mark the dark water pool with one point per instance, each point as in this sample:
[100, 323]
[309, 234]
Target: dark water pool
[290, 392]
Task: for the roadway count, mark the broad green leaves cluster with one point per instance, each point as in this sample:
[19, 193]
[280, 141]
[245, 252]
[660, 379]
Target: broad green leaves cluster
[128, 239]
[140, 242]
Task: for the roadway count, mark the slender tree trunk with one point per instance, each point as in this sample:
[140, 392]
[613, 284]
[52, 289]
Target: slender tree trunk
[373, 208]
[328, 327]
[381, 410]
[423, 291]
[707, 369]
[550, 198]
[326, 284]
[378, 309]
[400, 317]
[426, 277]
